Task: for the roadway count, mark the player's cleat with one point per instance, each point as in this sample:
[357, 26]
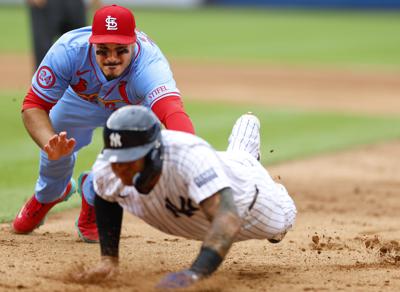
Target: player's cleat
[33, 212]
[86, 222]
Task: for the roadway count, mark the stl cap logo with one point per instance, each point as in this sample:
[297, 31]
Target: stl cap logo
[115, 140]
[111, 23]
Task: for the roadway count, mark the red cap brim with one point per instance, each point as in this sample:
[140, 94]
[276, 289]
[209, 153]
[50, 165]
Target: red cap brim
[112, 39]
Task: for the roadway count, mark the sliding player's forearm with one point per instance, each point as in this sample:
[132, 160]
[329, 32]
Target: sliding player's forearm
[109, 222]
[224, 228]
[222, 234]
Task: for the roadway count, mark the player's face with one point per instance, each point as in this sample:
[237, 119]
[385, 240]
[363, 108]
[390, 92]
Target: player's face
[127, 170]
[113, 59]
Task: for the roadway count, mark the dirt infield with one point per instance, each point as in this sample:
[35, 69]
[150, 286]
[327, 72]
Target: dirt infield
[347, 234]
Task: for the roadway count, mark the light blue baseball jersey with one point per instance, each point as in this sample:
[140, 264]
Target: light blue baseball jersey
[70, 66]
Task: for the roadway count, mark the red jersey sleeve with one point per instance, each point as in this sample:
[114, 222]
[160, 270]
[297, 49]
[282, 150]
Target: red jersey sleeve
[171, 113]
[32, 100]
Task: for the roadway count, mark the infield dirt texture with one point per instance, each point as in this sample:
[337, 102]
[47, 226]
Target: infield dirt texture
[347, 233]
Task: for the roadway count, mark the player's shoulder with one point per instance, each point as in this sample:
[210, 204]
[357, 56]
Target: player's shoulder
[76, 39]
[145, 40]
[148, 51]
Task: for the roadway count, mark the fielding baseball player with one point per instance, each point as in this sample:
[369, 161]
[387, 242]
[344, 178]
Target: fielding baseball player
[86, 75]
[179, 184]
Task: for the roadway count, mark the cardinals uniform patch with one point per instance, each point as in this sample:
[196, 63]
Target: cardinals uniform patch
[45, 77]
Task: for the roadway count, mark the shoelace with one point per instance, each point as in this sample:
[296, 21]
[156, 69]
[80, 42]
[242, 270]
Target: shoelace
[32, 208]
[91, 215]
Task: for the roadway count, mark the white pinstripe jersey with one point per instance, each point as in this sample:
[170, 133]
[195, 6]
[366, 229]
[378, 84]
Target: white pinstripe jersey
[193, 171]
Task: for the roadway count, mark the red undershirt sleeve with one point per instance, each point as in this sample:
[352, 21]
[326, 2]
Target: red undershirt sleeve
[171, 113]
[32, 100]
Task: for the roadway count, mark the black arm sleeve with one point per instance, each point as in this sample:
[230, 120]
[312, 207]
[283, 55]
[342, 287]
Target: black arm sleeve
[207, 262]
[109, 221]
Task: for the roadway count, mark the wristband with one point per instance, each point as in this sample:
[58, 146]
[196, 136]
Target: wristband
[207, 262]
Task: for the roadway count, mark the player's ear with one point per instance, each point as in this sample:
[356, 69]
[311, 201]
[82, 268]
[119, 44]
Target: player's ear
[145, 180]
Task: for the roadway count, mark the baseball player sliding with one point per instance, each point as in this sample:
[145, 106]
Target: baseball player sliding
[179, 184]
[86, 75]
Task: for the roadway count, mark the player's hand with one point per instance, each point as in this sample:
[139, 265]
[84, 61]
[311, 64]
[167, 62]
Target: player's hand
[105, 269]
[59, 146]
[177, 280]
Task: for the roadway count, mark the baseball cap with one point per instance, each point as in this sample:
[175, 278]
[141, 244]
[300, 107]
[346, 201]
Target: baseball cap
[113, 24]
[130, 133]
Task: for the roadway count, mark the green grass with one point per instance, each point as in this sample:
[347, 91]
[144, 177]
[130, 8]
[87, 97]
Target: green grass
[290, 134]
[272, 36]
[278, 36]
[16, 38]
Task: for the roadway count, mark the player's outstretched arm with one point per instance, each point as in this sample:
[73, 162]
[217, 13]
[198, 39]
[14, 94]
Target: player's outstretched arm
[221, 211]
[39, 127]
[172, 115]
[109, 222]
